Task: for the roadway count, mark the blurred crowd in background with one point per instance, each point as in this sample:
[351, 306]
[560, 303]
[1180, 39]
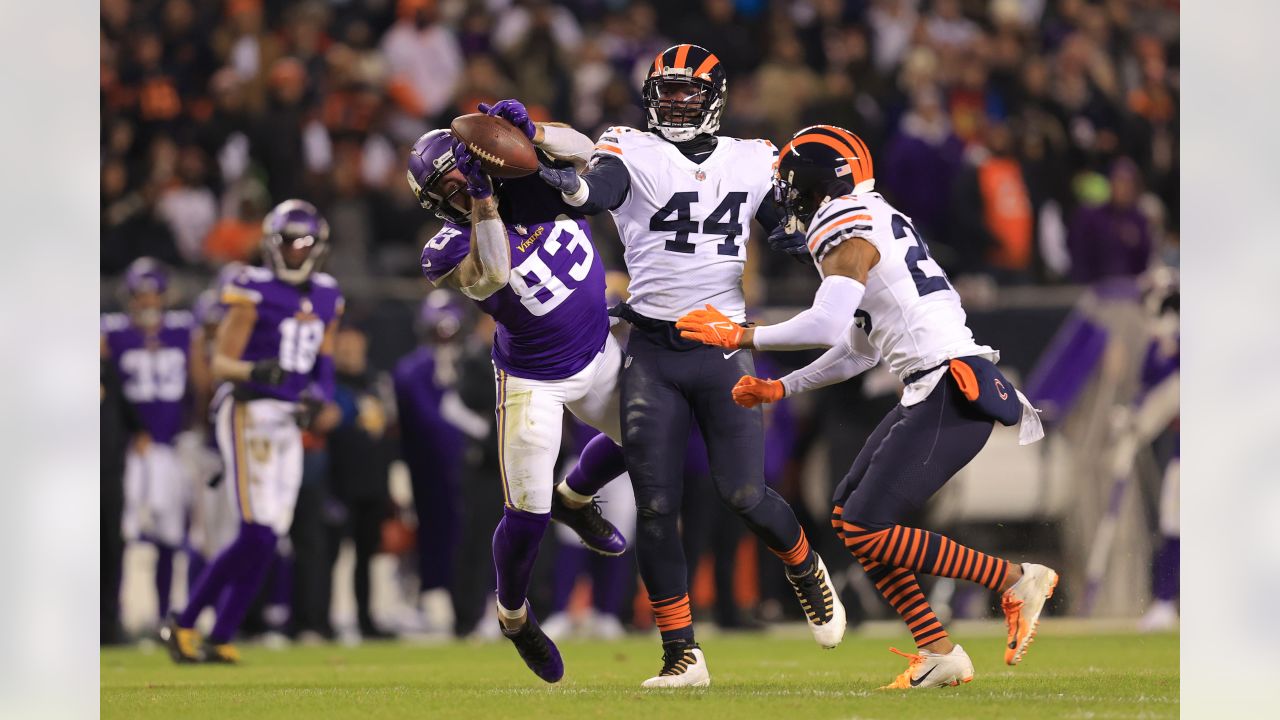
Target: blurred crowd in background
[1030, 140]
[1034, 143]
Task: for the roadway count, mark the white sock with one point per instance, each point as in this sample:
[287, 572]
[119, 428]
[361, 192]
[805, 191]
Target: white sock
[568, 493]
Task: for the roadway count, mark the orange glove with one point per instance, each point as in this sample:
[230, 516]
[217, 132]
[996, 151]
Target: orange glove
[710, 326]
[751, 391]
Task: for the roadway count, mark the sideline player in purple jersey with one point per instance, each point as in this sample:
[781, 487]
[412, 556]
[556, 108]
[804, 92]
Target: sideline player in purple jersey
[525, 257]
[275, 346]
[157, 354]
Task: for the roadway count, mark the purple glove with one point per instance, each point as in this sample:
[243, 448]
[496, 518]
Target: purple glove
[478, 185]
[514, 112]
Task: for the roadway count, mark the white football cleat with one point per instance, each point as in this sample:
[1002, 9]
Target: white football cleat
[930, 670]
[1022, 605]
[682, 666]
[821, 604]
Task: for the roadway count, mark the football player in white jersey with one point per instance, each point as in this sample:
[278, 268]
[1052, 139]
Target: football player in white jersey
[883, 297]
[682, 198]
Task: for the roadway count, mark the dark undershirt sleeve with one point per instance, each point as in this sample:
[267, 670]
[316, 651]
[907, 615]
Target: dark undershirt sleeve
[769, 215]
[609, 182]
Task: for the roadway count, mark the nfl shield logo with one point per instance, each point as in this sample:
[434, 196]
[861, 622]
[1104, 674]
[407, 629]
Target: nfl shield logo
[699, 175]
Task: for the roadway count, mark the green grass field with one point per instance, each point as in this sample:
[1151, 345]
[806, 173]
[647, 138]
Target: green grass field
[1074, 673]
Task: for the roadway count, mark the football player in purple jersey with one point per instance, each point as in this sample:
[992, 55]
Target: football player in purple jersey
[275, 347]
[157, 355]
[525, 257]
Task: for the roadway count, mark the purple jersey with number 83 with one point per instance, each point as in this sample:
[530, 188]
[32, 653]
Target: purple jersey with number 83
[552, 317]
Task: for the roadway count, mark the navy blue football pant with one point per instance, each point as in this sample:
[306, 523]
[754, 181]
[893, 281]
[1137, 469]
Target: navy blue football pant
[911, 454]
[666, 384]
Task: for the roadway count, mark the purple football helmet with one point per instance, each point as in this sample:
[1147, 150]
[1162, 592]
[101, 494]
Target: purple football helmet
[441, 315]
[295, 240]
[146, 275]
[430, 160]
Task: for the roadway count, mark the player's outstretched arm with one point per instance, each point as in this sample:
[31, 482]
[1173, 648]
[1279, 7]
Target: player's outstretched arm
[487, 267]
[558, 140]
[854, 355]
[844, 273]
[603, 187]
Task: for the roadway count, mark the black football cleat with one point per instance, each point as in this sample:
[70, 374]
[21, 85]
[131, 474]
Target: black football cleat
[597, 534]
[535, 648]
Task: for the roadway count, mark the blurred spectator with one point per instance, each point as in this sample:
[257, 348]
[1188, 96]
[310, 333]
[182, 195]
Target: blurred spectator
[360, 455]
[713, 25]
[785, 84]
[188, 205]
[318, 99]
[993, 222]
[1112, 239]
[918, 166]
[425, 64]
[537, 40]
[235, 238]
[291, 146]
[894, 24]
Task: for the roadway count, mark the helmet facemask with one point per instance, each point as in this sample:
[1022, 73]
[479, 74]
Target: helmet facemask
[431, 197]
[295, 241]
[296, 252]
[681, 107]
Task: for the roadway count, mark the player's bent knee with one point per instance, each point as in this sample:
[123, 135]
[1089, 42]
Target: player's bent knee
[744, 499]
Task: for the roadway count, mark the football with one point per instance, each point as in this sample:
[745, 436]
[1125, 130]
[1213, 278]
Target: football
[503, 150]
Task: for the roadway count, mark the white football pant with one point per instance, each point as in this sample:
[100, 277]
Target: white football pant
[157, 492]
[261, 448]
[530, 417]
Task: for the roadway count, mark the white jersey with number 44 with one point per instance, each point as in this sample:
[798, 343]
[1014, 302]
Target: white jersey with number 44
[910, 312]
[684, 225]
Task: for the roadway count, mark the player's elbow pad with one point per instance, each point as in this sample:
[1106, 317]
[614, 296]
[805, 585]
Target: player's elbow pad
[821, 325]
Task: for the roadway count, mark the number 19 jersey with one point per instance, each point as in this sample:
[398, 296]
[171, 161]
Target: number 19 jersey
[684, 225]
[910, 312]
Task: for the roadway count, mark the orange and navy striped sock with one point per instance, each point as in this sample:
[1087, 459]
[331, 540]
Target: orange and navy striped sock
[900, 588]
[674, 618]
[798, 556]
[898, 546]
[837, 521]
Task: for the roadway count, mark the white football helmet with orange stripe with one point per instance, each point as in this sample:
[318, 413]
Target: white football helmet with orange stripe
[684, 93]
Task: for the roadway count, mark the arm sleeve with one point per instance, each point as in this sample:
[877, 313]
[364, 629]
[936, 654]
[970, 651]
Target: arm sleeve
[493, 250]
[769, 215]
[820, 325]
[565, 143]
[852, 356]
[604, 186]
